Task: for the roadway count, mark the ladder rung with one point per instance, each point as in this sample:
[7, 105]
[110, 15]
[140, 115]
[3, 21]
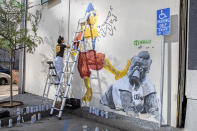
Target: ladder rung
[68, 73]
[56, 83]
[76, 41]
[51, 67]
[93, 77]
[71, 61]
[74, 51]
[79, 31]
[49, 62]
[54, 75]
[56, 109]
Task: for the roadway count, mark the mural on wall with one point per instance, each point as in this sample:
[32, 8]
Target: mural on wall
[108, 26]
[133, 90]
[90, 59]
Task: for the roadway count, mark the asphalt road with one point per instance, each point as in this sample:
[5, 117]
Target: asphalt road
[68, 123]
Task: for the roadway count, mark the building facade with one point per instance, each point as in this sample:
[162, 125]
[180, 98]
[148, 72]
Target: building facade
[124, 38]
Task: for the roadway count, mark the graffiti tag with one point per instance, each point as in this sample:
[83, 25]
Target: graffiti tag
[143, 43]
[108, 27]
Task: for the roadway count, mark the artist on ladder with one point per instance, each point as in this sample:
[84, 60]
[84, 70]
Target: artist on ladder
[59, 56]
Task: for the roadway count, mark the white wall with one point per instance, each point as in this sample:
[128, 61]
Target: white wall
[136, 21]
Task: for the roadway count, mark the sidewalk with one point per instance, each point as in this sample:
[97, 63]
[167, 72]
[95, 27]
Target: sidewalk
[115, 120]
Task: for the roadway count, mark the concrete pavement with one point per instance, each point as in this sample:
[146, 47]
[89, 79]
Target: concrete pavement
[68, 123]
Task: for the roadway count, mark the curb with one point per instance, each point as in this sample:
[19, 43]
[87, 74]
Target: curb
[123, 123]
[26, 116]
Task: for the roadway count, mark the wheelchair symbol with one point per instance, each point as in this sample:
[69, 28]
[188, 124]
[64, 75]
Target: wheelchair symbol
[162, 15]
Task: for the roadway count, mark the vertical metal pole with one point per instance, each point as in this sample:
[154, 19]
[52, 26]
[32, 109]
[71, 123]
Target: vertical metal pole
[22, 55]
[162, 78]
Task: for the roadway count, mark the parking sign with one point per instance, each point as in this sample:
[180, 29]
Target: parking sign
[163, 21]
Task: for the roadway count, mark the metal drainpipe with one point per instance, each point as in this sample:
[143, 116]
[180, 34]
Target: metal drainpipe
[22, 57]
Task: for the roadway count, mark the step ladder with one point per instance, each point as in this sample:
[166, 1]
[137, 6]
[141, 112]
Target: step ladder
[52, 80]
[66, 85]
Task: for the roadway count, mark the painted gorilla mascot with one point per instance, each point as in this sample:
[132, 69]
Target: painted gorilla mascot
[135, 91]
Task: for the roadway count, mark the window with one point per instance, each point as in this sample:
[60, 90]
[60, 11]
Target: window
[44, 1]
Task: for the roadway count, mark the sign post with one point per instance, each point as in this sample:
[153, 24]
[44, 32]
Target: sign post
[163, 28]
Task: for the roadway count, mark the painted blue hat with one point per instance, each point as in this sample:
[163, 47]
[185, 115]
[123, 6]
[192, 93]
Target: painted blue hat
[90, 8]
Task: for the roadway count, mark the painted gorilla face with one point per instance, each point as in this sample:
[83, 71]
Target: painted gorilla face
[140, 66]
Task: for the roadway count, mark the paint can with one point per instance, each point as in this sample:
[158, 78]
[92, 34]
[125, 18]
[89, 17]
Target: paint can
[102, 113]
[23, 120]
[39, 116]
[36, 108]
[33, 119]
[42, 107]
[106, 115]
[96, 129]
[18, 120]
[10, 123]
[97, 112]
[18, 111]
[47, 107]
[85, 128]
[90, 110]
[27, 110]
[31, 109]
[93, 110]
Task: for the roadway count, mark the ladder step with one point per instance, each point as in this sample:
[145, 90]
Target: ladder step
[71, 61]
[93, 77]
[52, 67]
[74, 51]
[56, 83]
[68, 73]
[56, 109]
[49, 62]
[79, 31]
[54, 75]
[76, 41]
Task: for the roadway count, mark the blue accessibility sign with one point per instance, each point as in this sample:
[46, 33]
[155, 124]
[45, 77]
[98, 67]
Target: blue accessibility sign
[163, 21]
